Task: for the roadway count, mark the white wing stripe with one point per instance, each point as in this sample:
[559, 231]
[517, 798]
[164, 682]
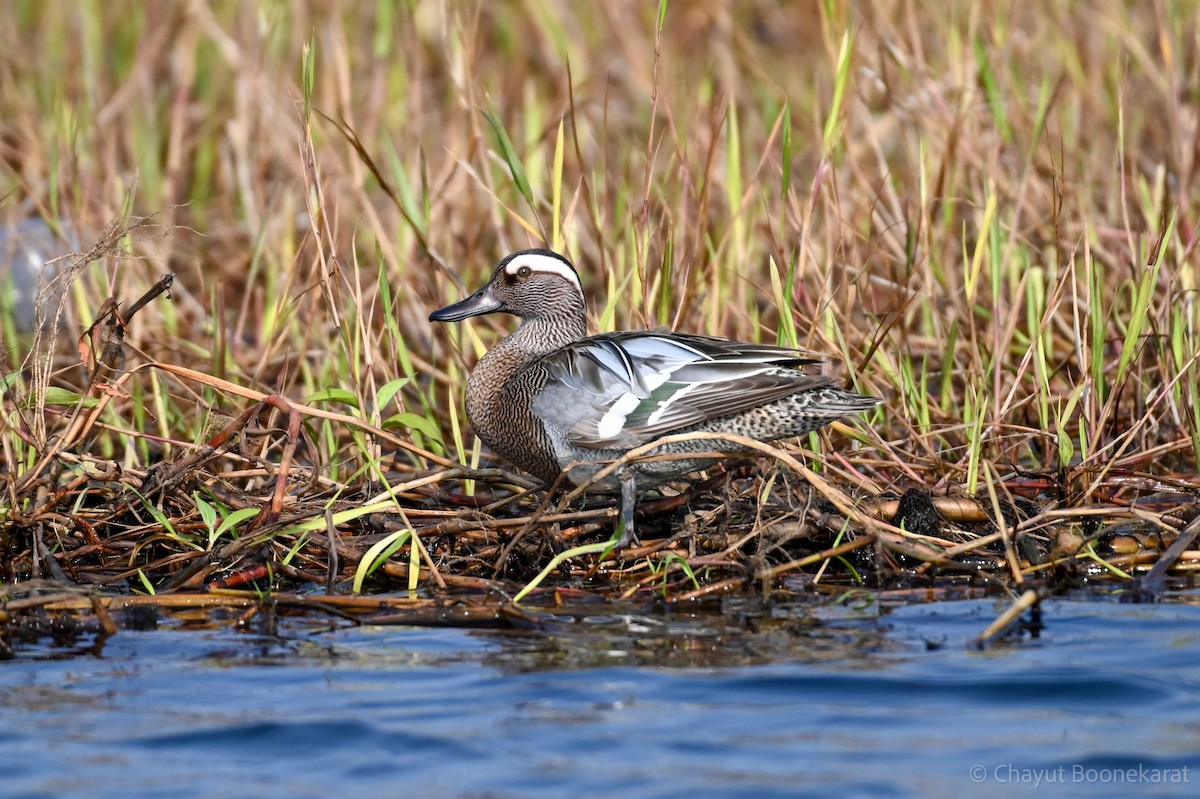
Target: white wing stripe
[665, 406]
[613, 421]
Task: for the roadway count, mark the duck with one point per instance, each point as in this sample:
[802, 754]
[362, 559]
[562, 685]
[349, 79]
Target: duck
[557, 402]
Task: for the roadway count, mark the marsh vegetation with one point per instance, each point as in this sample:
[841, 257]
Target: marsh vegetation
[985, 215]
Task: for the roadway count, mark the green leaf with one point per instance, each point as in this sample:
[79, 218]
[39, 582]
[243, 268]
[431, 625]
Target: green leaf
[413, 421]
[786, 182]
[509, 152]
[833, 124]
[562, 557]
[308, 73]
[376, 555]
[65, 397]
[389, 390]
[208, 514]
[234, 519]
[333, 395]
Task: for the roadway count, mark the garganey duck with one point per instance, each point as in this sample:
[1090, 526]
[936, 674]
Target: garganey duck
[550, 397]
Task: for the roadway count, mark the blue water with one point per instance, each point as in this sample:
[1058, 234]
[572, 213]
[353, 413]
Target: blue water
[1103, 702]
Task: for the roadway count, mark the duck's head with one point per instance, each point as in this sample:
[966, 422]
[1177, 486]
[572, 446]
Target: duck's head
[528, 284]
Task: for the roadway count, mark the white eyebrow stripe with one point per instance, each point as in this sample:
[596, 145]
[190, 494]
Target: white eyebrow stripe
[543, 263]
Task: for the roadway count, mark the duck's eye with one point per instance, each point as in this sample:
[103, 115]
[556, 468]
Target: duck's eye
[524, 272]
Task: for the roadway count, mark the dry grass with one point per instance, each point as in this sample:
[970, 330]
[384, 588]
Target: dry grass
[985, 215]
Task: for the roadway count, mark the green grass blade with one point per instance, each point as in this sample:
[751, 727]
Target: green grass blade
[509, 153]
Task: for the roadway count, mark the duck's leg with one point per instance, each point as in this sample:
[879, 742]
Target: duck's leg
[628, 499]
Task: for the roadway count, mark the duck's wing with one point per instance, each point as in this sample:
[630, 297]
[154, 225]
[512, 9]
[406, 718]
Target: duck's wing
[625, 389]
